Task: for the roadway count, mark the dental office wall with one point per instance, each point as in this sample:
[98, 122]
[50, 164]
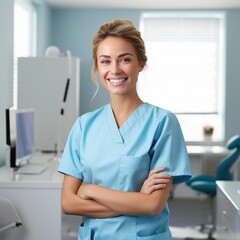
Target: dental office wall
[6, 57]
[72, 29]
[6, 71]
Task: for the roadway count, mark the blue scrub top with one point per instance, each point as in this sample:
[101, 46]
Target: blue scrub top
[98, 152]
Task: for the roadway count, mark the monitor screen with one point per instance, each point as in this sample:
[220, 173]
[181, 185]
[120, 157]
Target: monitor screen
[25, 135]
[20, 135]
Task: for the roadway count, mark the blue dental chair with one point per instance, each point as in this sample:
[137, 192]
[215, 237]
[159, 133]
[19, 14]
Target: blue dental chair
[207, 184]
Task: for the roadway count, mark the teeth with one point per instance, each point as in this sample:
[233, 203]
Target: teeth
[116, 80]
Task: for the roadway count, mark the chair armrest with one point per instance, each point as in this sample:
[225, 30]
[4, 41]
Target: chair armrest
[205, 186]
[203, 177]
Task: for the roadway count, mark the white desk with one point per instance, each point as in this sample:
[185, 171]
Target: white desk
[37, 199]
[228, 210]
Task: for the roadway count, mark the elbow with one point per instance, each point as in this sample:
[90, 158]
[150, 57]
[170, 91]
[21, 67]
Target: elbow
[156, 212]
[65, 206]
[155, 209]
[65, 210]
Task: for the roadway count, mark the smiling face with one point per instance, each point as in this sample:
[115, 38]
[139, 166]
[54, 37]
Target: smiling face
[118, 66]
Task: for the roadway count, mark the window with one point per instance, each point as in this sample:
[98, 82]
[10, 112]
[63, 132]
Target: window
[185, 72]
[24, 36]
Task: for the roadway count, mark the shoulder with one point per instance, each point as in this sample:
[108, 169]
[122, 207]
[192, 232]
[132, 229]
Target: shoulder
[163, 120]
[90, 117]
[159, 114]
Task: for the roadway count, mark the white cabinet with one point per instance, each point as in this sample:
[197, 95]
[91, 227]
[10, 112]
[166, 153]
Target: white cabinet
[41, 85]
[37, 199]
[228, 210]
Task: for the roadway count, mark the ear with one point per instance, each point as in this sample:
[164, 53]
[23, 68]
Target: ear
[141, 67]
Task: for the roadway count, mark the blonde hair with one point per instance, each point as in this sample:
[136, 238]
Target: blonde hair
[121, 28]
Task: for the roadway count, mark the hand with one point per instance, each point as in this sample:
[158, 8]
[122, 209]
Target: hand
[155, 181]
[83, 191]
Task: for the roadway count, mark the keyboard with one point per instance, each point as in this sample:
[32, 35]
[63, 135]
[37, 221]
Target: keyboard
[37, 164]
[32, 169]
[41, 158]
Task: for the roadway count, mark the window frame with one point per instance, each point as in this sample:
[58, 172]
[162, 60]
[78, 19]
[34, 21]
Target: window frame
[29, 7]
[218, 136]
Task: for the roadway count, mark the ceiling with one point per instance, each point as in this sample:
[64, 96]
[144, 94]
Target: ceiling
[146, 4]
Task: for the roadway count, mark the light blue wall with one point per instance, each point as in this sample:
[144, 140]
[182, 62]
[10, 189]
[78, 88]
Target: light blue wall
[233, 73]
[6, 57]
[43, 26]
[6, 67]
[73, 29]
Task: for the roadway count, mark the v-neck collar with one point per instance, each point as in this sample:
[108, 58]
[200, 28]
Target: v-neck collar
[117, 133]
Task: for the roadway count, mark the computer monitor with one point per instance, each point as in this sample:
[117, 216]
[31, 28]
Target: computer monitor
[20, 135]
[25, 135]
[11, 133]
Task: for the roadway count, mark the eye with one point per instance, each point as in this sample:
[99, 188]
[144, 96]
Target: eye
[125, 60]
[105, 61]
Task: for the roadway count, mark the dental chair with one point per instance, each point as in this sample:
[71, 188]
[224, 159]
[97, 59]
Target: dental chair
[207, 184]
[8, 215]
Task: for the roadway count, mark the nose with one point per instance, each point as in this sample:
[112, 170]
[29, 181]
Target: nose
[115, 68]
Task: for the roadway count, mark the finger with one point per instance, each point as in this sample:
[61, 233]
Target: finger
[157, 170]
[159, 181]
[158, 176]
[149, 184]
[159, 186]
[156, 187]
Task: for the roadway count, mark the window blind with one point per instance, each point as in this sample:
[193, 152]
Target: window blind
[184, 62]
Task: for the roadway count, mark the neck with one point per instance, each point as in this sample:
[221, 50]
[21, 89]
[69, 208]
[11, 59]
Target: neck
[123, 107]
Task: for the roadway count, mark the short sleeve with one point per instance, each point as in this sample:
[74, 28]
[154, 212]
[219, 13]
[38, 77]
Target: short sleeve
[70, 162]
[169, 149]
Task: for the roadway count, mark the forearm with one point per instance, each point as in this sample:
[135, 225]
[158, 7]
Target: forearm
[74, 205]
[129, 203]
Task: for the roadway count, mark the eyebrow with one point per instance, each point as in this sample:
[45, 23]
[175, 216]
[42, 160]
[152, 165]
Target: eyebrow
[121, 55]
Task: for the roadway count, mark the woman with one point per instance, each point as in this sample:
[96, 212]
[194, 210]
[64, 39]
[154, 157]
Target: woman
[113, 155]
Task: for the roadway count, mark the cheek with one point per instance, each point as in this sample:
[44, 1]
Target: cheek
[102, 70]
[135, 73]
[101, 74]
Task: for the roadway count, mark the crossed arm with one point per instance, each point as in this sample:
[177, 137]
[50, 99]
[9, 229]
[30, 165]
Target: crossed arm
[96, 201]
